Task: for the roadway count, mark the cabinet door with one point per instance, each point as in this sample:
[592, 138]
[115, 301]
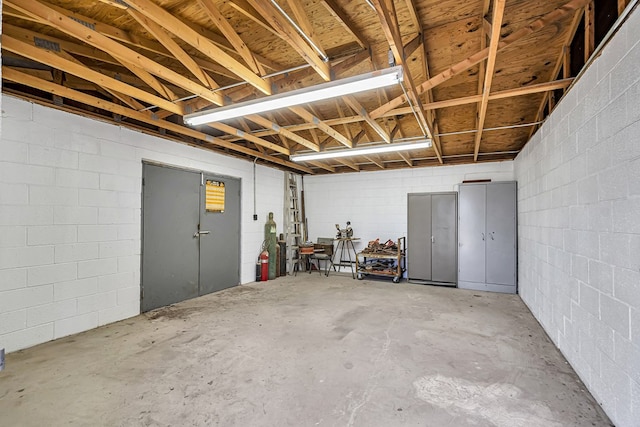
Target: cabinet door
[501, 233]
[471, 233]
[419, 237]
[444, 243]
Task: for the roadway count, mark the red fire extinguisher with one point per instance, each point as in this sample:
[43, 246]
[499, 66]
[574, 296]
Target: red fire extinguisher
[264, 264]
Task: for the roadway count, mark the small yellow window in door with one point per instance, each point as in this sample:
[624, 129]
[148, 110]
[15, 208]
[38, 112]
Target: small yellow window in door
[214, 196]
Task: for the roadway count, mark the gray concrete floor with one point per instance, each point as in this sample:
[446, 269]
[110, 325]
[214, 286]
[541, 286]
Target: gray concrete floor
[306, 351]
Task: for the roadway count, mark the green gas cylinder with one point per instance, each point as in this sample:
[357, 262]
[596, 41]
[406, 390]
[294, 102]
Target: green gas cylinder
[271, 244]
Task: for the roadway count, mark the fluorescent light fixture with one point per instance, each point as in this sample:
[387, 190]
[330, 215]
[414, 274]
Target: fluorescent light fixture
[386, 148]
[361, 83]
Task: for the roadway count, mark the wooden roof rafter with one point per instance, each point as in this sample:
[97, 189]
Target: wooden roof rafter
[431, 115]
[352, 102]
[149, 46]
[288, 33]
[165, 39]
[304, 23]
[203, 44]
[476, 58]
[157, 48]
[387, 15]
[345, 21]
[100, 27]
[261, 121]
[563, 61]
[496, 25]
[150, 80]
[485, 32]
[75, 29]
[236, 41]
[30, 37]
[80, 70]
[59, 77]
[321, 125]
[248, 137]
[246, 9]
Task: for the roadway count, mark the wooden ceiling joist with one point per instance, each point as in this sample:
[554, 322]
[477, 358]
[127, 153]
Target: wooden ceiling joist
[227, 30]
[113, 48]
[30, 37]
[352, 102]
[323, 165]
[563, 61]
[348, 163]
[282, 131]
[375, 160]
[406, 158]
[73, 67]
[387, 15]
[249, 137]
[149, 79]
[102, 28]
[305, 24]
[288, 33]
[154, 47]
[204, 45]
[246, 9]
[345, 21]
[496, 25]
[165, 39]
[114, 33]
[317, 122]
[470, 61]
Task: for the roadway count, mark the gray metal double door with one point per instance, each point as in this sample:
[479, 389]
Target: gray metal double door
[432, 237]
[186, 250]
[487, 240]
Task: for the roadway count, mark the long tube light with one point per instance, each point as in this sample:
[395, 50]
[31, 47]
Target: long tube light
[386, 148]
[349, 85]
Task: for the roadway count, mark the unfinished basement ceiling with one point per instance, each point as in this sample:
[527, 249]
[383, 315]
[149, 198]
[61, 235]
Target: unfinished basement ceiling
[147, 63]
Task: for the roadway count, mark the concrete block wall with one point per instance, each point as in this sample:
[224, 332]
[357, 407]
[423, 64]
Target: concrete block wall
[70, 211]
[376, 202]
[579, 226]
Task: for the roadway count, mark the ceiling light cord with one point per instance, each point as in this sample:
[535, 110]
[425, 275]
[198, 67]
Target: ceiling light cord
[425, 132]
[322, 55]
[522, 125]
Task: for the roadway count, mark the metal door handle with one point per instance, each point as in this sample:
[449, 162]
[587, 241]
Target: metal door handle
[198, 233]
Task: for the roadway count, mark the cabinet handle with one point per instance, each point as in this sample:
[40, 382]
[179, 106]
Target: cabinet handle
[433, 239]
[491, 234]
[483, 237]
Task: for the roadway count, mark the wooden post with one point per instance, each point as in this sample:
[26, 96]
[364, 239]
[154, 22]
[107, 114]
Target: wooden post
[622, 4]
[589, 35]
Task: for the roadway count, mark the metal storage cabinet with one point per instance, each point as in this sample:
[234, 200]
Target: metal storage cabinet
[431, 250]
[487, 237]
